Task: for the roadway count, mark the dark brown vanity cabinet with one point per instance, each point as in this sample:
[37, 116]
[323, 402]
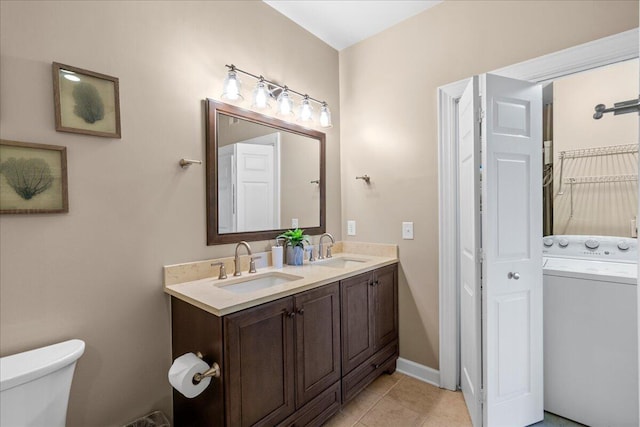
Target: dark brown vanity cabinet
[281, 355]
[293, 361]
[280, 362]
[369, 309]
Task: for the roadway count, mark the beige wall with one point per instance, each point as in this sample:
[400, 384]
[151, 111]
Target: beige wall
[96, 272]
[388, 88]
[598, 209]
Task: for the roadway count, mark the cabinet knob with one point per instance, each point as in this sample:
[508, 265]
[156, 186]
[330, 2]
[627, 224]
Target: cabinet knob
[514, 276]
[301, 311]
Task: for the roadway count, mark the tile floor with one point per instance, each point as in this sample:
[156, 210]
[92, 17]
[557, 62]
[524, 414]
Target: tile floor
[403, 401]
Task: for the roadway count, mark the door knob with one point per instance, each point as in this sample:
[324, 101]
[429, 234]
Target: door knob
[514, 276]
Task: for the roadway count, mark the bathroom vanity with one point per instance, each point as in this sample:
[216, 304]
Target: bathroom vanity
[290, 353]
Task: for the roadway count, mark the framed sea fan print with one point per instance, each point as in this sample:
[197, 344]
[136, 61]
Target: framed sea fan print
[33, 178]
[86, 102]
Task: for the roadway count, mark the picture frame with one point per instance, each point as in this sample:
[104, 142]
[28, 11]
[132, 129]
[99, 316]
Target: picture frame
[33, 178]
[86, 102]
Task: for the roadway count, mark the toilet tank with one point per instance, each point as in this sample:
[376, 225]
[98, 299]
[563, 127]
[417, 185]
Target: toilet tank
[35, 385]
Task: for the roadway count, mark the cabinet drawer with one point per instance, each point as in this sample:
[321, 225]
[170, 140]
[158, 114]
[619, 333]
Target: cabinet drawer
[318, 410]
[368, 371]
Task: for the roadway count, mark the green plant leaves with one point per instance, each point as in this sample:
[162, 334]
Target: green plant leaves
[294, 237]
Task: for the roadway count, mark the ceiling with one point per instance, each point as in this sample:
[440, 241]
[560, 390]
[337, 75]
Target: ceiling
[341, 23]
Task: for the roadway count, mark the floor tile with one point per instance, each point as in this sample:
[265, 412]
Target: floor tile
[341, 420]
[415, 395]
[384, 383]
[401, 401]
[387, 412]
[360, 404]
[551, 420]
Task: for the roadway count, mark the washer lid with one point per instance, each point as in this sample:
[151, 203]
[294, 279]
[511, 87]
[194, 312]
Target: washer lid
[592, 270]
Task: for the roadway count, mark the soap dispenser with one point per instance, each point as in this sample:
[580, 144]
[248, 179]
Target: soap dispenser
[277, 255]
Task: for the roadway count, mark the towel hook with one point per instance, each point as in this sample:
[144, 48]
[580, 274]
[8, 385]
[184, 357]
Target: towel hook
[366, 178]
[185, 163]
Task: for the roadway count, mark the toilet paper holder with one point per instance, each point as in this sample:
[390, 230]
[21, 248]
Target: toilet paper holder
[213, 371]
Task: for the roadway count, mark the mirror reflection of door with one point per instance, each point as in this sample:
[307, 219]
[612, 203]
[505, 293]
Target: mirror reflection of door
[591, 166]
[249, 185]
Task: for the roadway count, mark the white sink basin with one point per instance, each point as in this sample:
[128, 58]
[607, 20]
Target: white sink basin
[248, 284]
[340, 262]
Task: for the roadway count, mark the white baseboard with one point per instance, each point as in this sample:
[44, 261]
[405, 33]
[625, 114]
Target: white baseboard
[418, 371]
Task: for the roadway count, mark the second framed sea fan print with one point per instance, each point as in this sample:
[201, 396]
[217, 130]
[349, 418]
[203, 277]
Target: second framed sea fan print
[86, 102]
[33, 178]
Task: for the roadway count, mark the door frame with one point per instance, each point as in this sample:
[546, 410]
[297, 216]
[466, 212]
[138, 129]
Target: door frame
[597, 53]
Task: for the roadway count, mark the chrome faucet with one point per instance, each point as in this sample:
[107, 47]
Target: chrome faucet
[320, 255]
[252, 263]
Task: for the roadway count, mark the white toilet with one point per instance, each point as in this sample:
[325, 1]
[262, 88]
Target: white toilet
[35, 385]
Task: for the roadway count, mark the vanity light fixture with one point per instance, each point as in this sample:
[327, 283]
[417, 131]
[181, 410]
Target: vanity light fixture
[285, 103]
[266, 89]
[261, 95]
[325, 116]
[306, 110]
[232, 86]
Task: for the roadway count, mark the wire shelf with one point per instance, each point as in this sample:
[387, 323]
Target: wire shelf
[600, 151]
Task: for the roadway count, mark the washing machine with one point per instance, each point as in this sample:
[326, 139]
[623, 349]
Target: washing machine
[591, 329]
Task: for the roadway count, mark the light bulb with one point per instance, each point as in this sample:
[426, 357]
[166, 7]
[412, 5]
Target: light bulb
[232, 87]
[325, 116]
[285, 104]
[306, 110]
[261, 95]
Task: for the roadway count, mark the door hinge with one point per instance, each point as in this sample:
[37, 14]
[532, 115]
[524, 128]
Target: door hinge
[479, 255]
[481, 396]
[480, 114]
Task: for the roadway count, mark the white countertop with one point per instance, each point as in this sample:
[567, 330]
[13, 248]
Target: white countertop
[210, 294]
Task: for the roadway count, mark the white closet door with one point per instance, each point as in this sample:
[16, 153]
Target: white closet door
[469, 243]
[226, 190]
[255, 187]
[511, 241]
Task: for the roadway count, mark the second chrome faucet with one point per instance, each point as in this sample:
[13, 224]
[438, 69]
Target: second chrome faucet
[320, 247]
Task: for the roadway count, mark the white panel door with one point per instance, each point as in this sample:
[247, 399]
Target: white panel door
[469, 242]
[255, 177]
[511, 241]
[226, 190]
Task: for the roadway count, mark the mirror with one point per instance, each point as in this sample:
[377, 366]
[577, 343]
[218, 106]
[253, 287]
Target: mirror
[264, 175]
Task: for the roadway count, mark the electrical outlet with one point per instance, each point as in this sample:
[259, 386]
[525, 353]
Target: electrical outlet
[294, 222]
[351, 228]
[407, 230]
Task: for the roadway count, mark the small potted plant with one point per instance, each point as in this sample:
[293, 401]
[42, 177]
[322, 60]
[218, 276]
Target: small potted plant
[294, 243]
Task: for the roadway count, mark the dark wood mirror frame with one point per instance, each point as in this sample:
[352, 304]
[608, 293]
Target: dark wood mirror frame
[212, 108]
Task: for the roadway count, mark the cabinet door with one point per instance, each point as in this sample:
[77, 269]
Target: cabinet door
[259, 358]
[385, 312]
[357, 328]
[317, 331]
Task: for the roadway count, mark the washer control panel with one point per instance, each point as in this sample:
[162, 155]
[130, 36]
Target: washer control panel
[599, 248]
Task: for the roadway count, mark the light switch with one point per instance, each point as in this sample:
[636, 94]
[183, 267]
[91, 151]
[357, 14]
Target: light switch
[407, 230]
[294, 222]
[351, 228]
